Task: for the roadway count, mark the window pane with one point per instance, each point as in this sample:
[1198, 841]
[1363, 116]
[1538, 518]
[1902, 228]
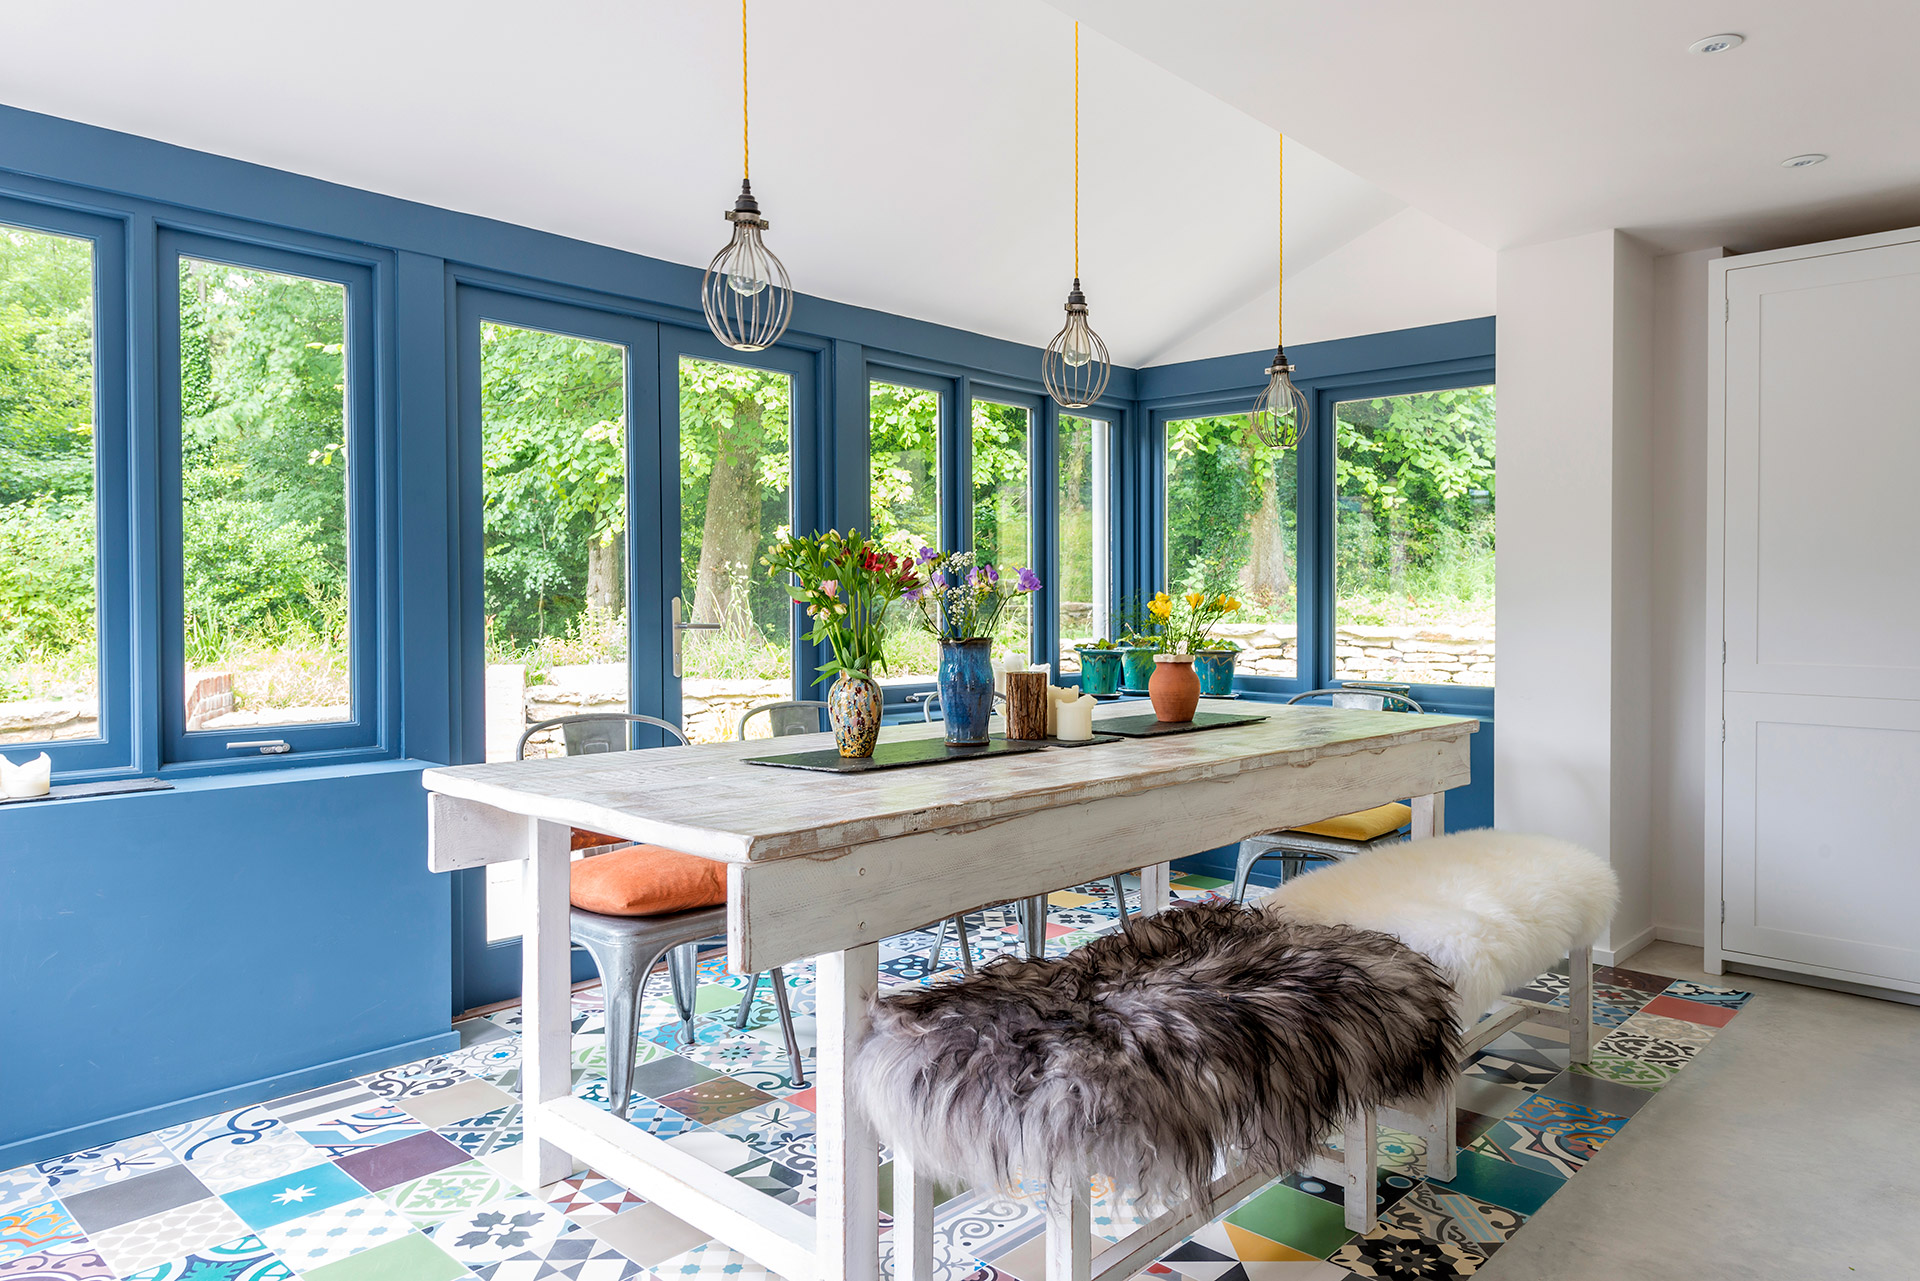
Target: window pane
[48, 641]
[1413, 539]
[1083, 589]
[904, 497]
[1002, 524]
[553, 441]
[264, 475]
[735, 499]
[1232, 526]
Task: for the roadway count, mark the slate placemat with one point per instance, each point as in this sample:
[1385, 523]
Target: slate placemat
[899, 754]
[1069, 742]
[1148, 727]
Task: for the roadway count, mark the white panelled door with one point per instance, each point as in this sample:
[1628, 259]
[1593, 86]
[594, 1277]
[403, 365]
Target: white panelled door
[1821, 678]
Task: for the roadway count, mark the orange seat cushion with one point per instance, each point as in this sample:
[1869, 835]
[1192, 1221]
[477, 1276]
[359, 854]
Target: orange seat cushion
[1363, 825]
[647, 880]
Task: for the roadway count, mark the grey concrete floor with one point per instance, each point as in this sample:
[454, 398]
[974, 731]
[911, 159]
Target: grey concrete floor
[1786, 1149]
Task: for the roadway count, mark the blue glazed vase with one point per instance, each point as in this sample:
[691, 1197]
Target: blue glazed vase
[1099, 670]
[853, 706]
[1137, 661]
[1214, 667]
[966, 689]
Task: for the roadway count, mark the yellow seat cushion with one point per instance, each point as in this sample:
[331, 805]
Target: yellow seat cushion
[647, 880]
[1363, 825]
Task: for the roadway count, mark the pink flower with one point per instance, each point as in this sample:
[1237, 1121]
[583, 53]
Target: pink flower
[829, 587]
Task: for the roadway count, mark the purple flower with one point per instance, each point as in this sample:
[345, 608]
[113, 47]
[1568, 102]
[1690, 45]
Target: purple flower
[939, 578]
[912, 595]
[993, 575]
[925, 556]
[1028, 581]
[973, 576]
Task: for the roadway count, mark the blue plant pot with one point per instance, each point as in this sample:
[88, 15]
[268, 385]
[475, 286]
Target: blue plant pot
[1099, 670]
[1214, 667]
[966, 689]
[1138, 665]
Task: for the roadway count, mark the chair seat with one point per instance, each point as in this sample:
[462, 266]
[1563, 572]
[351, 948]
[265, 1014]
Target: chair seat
[1362, 825]
[648, 932]
[647, 880]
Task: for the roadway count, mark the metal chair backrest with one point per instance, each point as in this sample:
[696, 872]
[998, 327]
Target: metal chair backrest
[590, 733]
[789, 716]
[929, 701]
[1366, 700]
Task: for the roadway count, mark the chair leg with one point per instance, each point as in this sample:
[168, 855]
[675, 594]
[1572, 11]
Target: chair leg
[1069, 1234]
[1120, 901]
[623, 982]
[1243, 869]
[1036, 927]
[939, 942]
[1580, 999]
[681, 972]
[746, 1003]
[794, 1058]
[966, 944]
[1360, 1153]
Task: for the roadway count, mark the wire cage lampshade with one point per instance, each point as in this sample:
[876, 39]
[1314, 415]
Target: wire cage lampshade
[1280, 415]
[746, 293]
[1076, 367]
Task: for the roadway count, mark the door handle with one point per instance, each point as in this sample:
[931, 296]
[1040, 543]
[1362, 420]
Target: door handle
[680, 628]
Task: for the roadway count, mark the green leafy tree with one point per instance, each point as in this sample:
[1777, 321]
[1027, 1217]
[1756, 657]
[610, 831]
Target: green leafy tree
[735, 460]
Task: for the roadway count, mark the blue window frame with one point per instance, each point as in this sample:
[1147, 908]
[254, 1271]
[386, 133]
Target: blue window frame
[361, 727]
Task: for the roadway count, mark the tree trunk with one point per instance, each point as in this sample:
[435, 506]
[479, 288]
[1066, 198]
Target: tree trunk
[1264, 579]
[732, 529]
[604, 594]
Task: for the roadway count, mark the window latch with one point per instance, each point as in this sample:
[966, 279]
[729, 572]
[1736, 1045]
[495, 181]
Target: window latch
[265, 746]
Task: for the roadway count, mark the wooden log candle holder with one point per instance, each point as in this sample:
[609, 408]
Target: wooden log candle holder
[1027, 705]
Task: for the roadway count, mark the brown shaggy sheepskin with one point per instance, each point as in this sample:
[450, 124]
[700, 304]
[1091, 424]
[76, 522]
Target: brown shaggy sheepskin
[1151, 1055]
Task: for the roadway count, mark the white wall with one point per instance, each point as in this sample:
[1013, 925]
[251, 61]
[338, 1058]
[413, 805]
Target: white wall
[1678, 676]
[1572, 755]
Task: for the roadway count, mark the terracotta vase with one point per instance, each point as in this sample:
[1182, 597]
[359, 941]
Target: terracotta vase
[853, 705]
[1173, 687]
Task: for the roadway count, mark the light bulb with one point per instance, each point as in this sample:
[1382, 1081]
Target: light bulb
[748, 274]
[1076, 349]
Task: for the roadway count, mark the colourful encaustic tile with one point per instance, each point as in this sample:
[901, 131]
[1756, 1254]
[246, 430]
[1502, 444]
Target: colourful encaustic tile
[336, 1232]
[33, 1228]
[499, 1230]
[144, 1195]
[1662, 1028]
[22, 1186]
[434, 1198]
[412, 1257]
[1606, 1065]
[1389, 1187]
[292, 1196]
[576, 1254]
[1708, 994]
[339, 1119]
[1658, 1051]
[590, 1198]
[1547, 1151]
[715, 1100]
[410, 1079]
[109, 1163]
[76, 1262]
[769, 1127]
[489, 1132]
[1679, 1010]
[168, 1235]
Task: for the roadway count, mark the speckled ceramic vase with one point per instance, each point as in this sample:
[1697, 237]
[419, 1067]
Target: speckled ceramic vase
[853, 705]
[966, 689]
[1173, 687]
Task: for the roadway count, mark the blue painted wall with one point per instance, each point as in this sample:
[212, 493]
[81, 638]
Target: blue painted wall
[170, 954]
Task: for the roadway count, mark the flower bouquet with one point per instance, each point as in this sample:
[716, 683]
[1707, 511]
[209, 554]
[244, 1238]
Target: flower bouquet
[960, 604]
[846, 583]
[1175, 686]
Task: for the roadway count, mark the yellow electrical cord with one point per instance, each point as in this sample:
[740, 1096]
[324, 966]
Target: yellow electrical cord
[1076, 149]
[746, 152]
[1280, 290]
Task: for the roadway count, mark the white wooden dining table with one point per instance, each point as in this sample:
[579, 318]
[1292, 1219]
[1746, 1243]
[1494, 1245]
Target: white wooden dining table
[826, 865]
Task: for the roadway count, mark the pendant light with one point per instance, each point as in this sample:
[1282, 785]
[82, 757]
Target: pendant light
[1279, 417]
[746, 293]
[1075, 367]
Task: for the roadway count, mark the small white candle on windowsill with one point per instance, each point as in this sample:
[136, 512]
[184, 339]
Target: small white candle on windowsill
[29, 778]
[1076, 720]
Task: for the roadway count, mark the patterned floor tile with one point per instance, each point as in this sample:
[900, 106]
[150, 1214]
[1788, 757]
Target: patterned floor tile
[1607, 1096]
[985, 1224]
[1454, 1218]
[711, 1262]
[666, 1073]
[1291, 1217]
[1401, 1253]
[343, 1118]
[1657, 1051]
[378, 1168]
[769, 1126]
[22, 1187]
[277, 1152]
[413, 1079]
[168, 1235]
[457, 1102]
[33, 1228]
[486, 1060]
[1639, 980]
[437, 1197]
[328, 1235]
[575, 1254]
[1502, 1182]
[410, 1258]
[244, 1259]
[715, 1100]
[657, 1118]
[109, 1163]
[590, 1198]
[140, 1197]
[80, 1262]
[204, 1140]
[1676, 1009]
[1574, 1119]
[499, 1230]
[493, 1131]
[293, 1195]
[1547, 1151]
[647, 1234]
[1390, 1187]
[1708, 994]
[1605, 1065]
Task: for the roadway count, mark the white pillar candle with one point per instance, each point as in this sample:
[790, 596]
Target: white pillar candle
[1076, 720]
[32, 778]
[1056, 696]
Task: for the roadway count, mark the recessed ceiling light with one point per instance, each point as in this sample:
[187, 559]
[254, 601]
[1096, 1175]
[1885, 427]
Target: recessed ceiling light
[1717, 44]
[1801, 162]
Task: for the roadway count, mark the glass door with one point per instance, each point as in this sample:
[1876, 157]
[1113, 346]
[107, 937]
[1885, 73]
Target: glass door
[560, 453]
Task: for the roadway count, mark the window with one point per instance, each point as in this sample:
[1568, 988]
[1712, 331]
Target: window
[265, 474]
[1002, 507]
[49, 598]
[1231, 521]
[904, 499]
[1413, 538]
[1084, 588]
[735, 499]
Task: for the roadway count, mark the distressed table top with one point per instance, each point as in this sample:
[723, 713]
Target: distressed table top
[706, 800]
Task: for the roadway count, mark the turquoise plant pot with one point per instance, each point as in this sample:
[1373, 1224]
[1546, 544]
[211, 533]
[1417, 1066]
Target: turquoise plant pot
[1099, 670]
[1214, 667]
[1137, 664]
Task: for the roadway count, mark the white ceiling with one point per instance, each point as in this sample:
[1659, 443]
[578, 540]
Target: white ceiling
[1517, 121]
[911, 157]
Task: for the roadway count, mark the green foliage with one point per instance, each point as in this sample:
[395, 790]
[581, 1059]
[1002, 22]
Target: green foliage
[903, 446]
[1232, 518]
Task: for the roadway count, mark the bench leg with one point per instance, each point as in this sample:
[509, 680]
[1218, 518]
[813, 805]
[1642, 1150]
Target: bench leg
[1442, 1158]
[1069, 1234]
[1580, 1002]
[1156, 888]
[912, 1221]
[1360, 1153]
[1429, 816]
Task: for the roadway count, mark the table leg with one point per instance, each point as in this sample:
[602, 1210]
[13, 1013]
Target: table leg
[1429, 815]
[1156, 888]
[546, 995]
[848, 1210]
[912, 1221]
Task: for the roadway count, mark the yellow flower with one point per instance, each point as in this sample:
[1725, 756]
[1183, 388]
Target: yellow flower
[1161, 598]
[1195, 599]
[1159, 608]
[1229, 604]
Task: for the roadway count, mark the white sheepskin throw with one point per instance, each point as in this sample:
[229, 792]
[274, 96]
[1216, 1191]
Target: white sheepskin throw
[1152, 1055]
[1492, 909]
